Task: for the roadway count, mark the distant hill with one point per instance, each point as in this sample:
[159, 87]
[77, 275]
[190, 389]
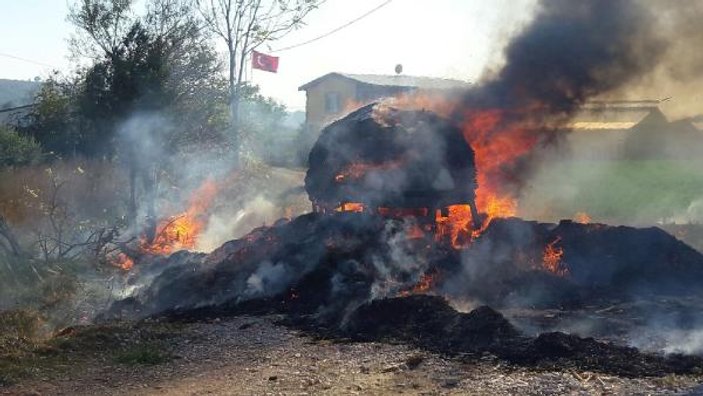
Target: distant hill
[14, 93]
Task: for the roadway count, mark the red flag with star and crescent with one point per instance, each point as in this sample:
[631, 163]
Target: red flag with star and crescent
[264, 62]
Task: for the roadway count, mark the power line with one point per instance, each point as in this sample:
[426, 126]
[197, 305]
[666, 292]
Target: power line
[25, 60]
[353, 21]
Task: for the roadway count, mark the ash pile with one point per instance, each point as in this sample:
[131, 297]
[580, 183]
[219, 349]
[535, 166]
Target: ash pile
[371, 262]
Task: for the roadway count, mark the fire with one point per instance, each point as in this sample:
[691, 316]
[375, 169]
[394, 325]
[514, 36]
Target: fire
[552, 258]
[497, 147]
[351, 207]
[499, 144]
[181, 232]
[457, 225]
[123, 261]
[582, 218]
[501, 139]
[423, 286]
[178, 232]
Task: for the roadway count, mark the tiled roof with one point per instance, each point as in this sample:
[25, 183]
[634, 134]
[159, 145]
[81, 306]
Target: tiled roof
[398, 80]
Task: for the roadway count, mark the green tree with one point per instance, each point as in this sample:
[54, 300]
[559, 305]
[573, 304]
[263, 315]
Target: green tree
[164, 62]
[17, 149]
[53, 119]
[261, 120]
[159, 68]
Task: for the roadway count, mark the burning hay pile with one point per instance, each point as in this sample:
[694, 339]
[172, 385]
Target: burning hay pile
[385, 160]
[362, 273]
[413, 218]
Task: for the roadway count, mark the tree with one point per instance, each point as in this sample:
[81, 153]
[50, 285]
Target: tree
[17, 149]
[160, 70]
[261, 120]
[244, 25]
[102, 26]
[53, 118]
[161, 62]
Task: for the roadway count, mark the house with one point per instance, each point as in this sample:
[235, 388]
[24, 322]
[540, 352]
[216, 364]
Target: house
[333, 94]
[601, 130]
[631, 129]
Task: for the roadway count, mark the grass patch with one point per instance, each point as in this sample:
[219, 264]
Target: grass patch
[622, 191]
[147, 354]
[132, 344]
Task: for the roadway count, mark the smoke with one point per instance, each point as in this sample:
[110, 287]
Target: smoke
[678, 75]
[268, 280]
[570, 53]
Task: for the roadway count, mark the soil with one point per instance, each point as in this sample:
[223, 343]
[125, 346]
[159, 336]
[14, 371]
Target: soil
[256, 356]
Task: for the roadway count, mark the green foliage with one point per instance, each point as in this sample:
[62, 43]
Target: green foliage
[53, 120]
[160, 62]
[143, 354]
[16, 148]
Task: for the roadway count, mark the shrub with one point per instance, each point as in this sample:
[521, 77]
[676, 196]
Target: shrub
[20, 324]
[17, 149]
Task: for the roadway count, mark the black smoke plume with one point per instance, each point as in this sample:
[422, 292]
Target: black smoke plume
[571, 52]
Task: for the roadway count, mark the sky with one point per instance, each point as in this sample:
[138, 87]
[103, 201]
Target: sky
[442, 38]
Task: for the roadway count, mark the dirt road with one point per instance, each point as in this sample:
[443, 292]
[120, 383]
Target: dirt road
[254, 356]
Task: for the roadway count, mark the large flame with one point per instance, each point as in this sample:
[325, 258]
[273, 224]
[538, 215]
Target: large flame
[552, 258]
[181, 232]
[499, 143]
[178, 232]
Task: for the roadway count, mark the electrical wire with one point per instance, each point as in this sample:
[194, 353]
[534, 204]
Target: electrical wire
[25, 60]
[353, 21]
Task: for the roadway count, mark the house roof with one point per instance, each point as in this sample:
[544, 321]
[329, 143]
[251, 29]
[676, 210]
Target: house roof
[398, 80]
[614, 115]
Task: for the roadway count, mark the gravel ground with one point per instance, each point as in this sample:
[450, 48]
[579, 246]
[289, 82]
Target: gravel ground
[254, 356]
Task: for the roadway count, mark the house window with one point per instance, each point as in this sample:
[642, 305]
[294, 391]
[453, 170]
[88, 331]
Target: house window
[333, 102]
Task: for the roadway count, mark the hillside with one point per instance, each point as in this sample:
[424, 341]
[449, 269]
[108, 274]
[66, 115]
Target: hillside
[15, 93]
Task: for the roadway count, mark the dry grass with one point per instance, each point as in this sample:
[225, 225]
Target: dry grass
[97, 189]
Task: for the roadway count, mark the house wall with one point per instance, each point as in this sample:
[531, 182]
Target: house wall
[316, 114]
[351, 94]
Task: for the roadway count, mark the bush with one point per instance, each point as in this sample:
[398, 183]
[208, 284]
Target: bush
[20, 324]
[17, 149]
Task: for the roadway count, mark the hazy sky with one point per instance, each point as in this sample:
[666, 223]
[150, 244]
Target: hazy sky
[439, 38]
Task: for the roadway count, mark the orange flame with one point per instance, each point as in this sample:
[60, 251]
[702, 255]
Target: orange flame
[457, 225]
[552, 258]
[498, 145]
[351, 207]
[582, 218]
[424, 285]
[123, 261]
[181, 232]
[178, 232]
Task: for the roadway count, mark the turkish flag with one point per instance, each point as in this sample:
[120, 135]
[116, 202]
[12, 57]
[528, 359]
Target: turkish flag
[264, 62]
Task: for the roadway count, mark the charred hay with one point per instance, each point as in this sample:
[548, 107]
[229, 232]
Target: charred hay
[341, 275]
[381, 156]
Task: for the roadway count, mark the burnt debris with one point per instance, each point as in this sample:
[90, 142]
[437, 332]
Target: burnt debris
[351, 275]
